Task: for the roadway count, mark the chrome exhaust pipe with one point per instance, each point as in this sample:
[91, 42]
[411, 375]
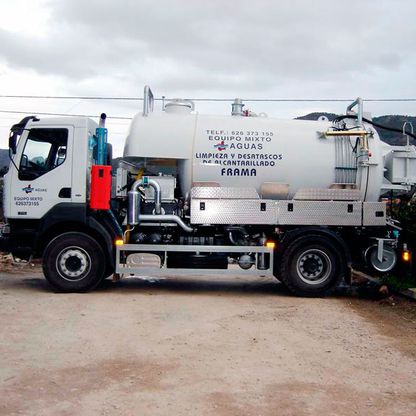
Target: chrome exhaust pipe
[134, 208]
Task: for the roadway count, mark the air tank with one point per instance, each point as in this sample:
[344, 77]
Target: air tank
[237, 151]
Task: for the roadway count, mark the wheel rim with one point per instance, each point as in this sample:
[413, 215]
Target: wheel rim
[73, 264]
[388, 261]
[314, 267]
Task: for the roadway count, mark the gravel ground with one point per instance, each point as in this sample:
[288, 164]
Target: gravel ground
[201, 347]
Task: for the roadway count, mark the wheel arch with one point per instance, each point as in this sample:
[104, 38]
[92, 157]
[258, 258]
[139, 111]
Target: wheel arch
[94, 229]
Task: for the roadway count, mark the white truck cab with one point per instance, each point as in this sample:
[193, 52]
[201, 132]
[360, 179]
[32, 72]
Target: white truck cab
[49, 167]
[46, 187]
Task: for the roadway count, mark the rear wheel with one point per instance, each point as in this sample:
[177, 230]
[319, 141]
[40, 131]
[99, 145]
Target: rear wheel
[312, 266]
[74, 262]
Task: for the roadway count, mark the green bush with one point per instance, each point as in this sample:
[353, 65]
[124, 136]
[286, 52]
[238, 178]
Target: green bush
[406, 214]
[398, 283]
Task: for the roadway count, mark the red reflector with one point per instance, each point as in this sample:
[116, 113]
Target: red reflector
[100, 192]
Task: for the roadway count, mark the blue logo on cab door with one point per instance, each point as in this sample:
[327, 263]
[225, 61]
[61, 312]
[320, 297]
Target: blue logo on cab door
[28, 189]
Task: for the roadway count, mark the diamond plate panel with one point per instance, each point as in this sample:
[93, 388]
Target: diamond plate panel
[233, 211]
[374, 213]
[218, 192]
[324, 194]
[318, 213]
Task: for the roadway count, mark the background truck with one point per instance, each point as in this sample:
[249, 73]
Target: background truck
[201, 194]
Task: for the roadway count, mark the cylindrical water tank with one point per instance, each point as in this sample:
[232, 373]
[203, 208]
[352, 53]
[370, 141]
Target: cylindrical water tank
[249, 151]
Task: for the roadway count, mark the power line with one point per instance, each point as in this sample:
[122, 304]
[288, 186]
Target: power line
[62, 114]
[297, 100]
[70, 97]
[74, 97]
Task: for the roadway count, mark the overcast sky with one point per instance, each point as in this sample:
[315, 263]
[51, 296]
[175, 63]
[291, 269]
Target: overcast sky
[184, 48]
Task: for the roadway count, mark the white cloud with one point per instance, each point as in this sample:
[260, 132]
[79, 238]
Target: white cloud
[262, 49]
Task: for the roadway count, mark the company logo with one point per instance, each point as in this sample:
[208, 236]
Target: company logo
[221, 146]
[28, 189]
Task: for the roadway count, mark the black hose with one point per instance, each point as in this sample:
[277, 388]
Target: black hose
[366, 183]
[413, 136]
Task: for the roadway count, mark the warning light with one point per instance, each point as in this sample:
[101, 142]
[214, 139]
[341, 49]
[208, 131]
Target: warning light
[119, 242]
[270, 244]
[406, 256]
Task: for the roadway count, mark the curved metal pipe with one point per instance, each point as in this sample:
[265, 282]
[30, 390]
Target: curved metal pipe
[158, 206]
[158, 192]
[166, 218]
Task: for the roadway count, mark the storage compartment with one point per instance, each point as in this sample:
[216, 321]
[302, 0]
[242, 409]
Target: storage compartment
[100, 187]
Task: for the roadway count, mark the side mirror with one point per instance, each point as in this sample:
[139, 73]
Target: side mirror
[17, 130]
[13, 142]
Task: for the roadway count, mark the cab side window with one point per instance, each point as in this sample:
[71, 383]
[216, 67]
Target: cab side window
[45, 149]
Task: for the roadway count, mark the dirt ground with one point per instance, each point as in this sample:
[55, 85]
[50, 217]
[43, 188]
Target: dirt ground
[201, 347]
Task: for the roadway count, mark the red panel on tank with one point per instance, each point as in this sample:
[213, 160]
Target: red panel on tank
[100, 187]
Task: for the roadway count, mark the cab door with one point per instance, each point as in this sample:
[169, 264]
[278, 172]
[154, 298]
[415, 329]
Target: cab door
[44, 175]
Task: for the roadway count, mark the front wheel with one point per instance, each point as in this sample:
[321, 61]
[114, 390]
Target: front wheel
[74, 262]
[312, 266]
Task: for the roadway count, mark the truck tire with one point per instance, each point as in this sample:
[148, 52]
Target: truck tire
[312, 265]
[74, 262]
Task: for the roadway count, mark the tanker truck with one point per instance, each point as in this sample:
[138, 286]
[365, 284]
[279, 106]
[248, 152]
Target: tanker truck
[198, 195]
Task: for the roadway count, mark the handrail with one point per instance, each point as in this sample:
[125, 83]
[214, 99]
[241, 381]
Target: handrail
[405, 133]
[359, 102]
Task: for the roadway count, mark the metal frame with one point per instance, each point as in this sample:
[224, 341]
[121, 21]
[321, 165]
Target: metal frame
[123, 268]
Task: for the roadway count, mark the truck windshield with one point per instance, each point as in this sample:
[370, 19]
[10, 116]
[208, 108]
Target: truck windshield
[45, 149]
